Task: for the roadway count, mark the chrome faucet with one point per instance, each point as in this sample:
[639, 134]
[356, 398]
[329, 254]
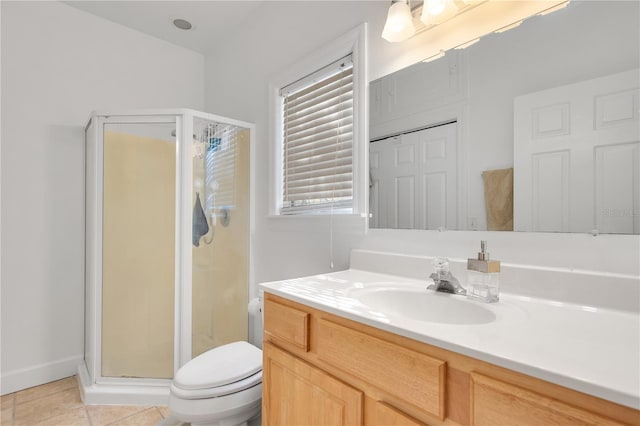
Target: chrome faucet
[443, 280]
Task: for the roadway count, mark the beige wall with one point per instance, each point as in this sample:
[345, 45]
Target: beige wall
[220, 269]
[138, 257]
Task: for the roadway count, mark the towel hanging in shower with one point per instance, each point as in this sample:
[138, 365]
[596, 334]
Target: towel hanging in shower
[200, 225]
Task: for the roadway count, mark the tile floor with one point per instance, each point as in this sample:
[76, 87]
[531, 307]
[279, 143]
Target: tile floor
[58, 404]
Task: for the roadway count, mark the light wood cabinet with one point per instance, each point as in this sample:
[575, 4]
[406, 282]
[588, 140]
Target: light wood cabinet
[323, 369]
[389, 416]
[295, 393]
[287, 325]
[494, 402]
[409, 375]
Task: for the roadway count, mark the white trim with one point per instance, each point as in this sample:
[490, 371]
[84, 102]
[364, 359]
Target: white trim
[90, 256]
[179, 208]
[184, 261]
[35, 375]
[319, 75]
[169, 112]
[353, 42]
[252, 215]
[275, 150]
[361, 125]
[96, 236]
[120, 394]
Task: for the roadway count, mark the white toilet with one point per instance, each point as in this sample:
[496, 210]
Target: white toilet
[221, 387]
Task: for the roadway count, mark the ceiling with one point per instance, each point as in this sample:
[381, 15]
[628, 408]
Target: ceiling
[211, 20]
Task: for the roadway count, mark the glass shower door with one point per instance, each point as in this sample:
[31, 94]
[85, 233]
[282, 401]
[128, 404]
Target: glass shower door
[138, 250]
[220, 243]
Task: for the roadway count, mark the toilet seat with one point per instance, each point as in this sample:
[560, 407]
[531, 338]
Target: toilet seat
[221, 371]
[246, 383]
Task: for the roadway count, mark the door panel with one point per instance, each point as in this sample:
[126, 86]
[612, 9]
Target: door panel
[295, 393]
[414, 180]
[577, 166]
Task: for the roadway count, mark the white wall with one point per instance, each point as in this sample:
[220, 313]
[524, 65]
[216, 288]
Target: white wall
[281, 33]
[237, 78]
[59, 64]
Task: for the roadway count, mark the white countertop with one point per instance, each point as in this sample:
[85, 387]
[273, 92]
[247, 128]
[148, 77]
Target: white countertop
[586, 348]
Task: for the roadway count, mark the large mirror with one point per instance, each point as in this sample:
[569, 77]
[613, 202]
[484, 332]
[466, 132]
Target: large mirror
[532, 129]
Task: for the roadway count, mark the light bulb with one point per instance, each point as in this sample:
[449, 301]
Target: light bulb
[435, 7]
[437, 11]
[399, 25]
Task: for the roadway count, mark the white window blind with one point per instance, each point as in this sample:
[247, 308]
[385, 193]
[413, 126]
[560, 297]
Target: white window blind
[318, 140]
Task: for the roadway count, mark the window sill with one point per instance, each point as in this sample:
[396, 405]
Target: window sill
[315, 216]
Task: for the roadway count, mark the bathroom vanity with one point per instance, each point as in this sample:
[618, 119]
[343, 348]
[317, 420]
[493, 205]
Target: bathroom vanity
[356, 347]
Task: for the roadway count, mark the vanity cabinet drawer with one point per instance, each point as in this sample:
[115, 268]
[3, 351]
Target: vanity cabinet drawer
[284, 324]
[406, 374]
[389, 416]
[494, 402]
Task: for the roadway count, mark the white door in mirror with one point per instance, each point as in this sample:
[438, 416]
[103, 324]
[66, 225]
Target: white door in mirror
[414, 180]
[577, 157]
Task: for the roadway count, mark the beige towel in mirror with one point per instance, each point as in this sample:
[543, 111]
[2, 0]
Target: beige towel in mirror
[498, 197]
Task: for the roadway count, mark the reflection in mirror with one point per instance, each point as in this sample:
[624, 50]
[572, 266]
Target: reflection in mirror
[533, 129]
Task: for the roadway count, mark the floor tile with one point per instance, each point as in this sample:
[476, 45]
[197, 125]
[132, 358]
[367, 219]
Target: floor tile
[45, 390]
[6, 418]
[170, 421]
[75, 417]
[148, 417]
[102, 415]
[38, 410]
[164, 411]
[6, 401]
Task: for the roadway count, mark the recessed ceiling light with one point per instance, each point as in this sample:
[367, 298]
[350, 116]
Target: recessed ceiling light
[183, 24]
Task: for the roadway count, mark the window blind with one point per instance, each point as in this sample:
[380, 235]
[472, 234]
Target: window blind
[318, 140]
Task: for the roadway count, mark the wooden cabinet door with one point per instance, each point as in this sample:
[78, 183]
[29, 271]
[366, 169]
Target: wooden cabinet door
[494, 402]
[295, 394]
[386, 415]
[405, 374]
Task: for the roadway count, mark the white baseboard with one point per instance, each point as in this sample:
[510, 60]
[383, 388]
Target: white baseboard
[23, 378]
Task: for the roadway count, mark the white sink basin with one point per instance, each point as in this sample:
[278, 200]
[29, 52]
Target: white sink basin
[420, 304]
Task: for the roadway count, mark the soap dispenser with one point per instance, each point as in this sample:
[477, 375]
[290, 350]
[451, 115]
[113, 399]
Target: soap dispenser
[483, 277]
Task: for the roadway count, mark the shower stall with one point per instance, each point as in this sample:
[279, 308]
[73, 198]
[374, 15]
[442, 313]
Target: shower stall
[167, 266]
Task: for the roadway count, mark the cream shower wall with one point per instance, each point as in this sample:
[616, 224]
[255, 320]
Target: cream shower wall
[220, 269]
[59, 64]
[138, 256]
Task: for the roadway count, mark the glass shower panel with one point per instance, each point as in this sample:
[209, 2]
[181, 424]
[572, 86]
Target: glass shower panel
[220, 246]
[138, 249]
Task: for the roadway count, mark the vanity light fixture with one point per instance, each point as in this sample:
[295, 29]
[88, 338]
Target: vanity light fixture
[435, 12]
[554, 8]
[434, 57]
[399, 25]
[467, 44]
[508, 27]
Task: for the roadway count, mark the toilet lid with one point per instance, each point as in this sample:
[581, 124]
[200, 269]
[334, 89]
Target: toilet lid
[220, 366]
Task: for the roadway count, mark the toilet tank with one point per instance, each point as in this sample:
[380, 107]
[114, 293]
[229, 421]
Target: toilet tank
[256, 320]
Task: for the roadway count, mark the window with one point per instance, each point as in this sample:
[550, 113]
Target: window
[318, 113]
[318, 140]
